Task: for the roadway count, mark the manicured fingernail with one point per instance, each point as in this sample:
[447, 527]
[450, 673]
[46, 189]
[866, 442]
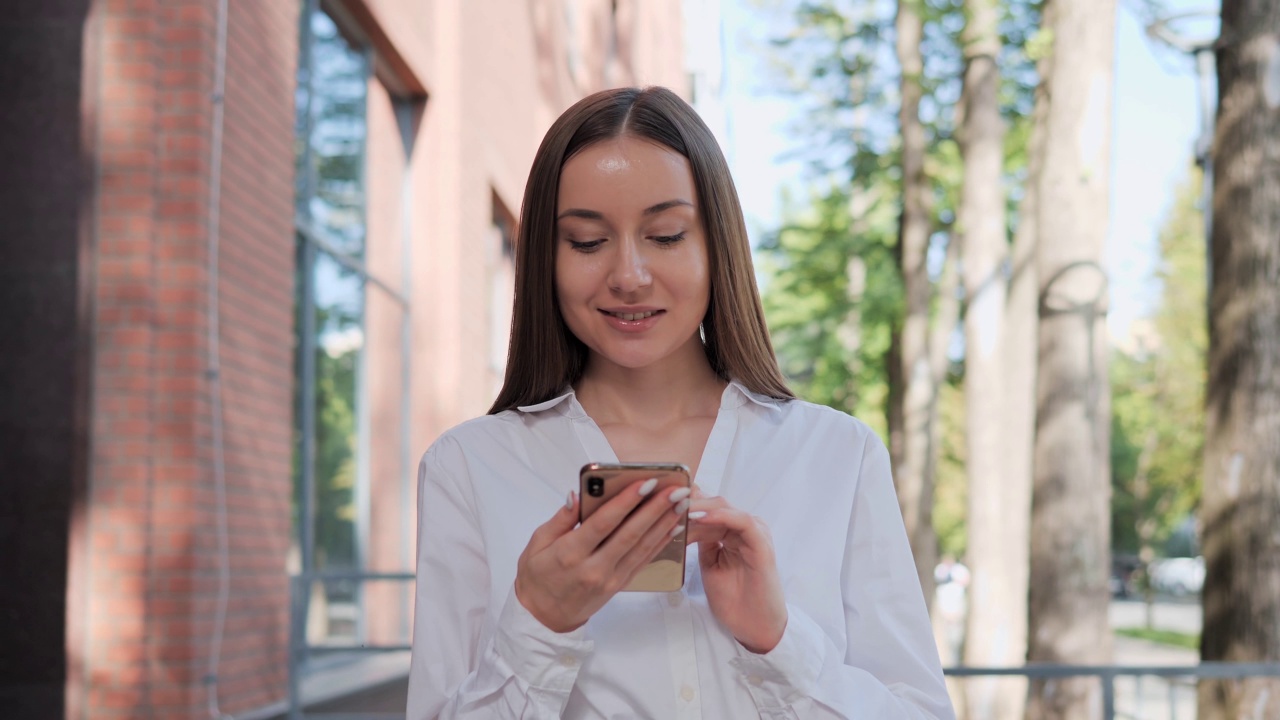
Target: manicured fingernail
[682, 506]
[679, 495]
[677, 530]
[697, 515]
[648, 486]
[568, 503]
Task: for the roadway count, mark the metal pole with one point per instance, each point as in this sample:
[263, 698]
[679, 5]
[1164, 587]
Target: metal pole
[307, 341]
[1108, 696]
[404, 121]
[1137, 683]
[297, 620]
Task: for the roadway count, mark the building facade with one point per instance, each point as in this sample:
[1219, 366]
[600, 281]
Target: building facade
[259, 256]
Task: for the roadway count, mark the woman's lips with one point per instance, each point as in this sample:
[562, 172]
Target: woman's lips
[632, 322]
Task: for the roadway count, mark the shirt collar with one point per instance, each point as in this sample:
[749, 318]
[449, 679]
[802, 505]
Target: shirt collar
[548, 404]
[744, 396]
[736, 393]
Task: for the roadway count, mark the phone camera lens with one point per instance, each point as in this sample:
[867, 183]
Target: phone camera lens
[595, 486]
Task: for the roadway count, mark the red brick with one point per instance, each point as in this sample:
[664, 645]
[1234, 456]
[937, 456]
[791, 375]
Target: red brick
[184, 143]
[183, 34]
[125, 27]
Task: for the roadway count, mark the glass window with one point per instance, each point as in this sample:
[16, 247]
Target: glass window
[331, 464]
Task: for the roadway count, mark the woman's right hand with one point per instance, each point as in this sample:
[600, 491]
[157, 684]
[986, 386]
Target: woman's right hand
[567, 573]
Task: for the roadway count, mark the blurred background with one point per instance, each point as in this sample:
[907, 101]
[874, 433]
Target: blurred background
[259, 255]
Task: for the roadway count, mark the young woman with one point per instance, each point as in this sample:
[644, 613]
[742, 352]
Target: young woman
[638, 336]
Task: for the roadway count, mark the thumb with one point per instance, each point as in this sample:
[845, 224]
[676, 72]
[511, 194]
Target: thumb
[565, 519]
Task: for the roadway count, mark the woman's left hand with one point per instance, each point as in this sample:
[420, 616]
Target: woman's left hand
[739, 572]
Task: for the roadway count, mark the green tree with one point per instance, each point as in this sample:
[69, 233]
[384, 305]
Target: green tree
[1158, 393]
[832, 299]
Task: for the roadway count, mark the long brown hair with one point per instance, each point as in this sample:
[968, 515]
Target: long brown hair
[544, 357]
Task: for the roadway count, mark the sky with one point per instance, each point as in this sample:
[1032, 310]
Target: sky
[1155, 124]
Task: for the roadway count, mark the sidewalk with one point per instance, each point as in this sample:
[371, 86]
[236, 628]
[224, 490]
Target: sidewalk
[1154, 698]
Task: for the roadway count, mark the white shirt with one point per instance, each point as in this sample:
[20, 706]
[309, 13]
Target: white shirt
[857, 645]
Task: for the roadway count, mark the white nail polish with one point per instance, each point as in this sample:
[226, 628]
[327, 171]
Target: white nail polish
[682, 506]
[648, 486]
[568, 503]
[677, 530]
[679, 495]
[697, 515]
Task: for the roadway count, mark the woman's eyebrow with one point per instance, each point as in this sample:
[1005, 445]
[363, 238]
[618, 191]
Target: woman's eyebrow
[667, 205]
[596, 215]
[579, 213]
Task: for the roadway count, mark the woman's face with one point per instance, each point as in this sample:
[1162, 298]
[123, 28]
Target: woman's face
[631, 257]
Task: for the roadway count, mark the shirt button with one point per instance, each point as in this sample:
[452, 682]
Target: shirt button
[686, 693]
[568, 661]
[755, 680]
[674, 598]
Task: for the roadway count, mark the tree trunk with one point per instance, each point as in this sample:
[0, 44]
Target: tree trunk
[1240, 512]
[1070, 522]
[995, 630]
[1070, 513]
[918, 396]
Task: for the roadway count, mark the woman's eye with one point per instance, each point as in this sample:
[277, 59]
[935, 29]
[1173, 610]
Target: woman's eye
[588, 246]
[668, 239]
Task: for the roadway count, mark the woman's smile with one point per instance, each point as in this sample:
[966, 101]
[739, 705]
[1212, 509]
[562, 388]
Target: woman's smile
[632, 320]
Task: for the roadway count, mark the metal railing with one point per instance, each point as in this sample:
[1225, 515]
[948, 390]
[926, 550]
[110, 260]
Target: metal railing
[300, 650]
[1107, 674]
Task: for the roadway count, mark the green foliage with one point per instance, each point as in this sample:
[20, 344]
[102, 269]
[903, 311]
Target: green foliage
[1189, 641]
[1158, 390]
[335, 457]
[335, 442]
[951, 489]
[832, 336]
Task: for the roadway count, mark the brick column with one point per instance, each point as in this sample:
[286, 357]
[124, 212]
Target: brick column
[152, 570]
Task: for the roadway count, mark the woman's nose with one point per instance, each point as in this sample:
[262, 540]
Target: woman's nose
[630, 270]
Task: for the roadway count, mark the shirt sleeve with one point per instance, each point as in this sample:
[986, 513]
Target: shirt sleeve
[891, 669]
[520, 670]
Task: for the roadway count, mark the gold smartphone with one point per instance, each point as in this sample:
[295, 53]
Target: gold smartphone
[599, 482]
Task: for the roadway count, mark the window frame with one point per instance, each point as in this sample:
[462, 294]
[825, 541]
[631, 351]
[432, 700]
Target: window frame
[312, 240]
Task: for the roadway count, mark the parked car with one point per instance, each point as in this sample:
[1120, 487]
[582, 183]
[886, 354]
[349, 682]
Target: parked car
[1124, 573]
[1178, 576]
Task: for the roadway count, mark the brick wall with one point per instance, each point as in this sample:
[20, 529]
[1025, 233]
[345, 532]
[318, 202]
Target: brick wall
[152, 570]
[115, 226]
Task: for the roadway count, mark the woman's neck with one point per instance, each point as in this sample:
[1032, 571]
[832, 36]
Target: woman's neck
[681, 386]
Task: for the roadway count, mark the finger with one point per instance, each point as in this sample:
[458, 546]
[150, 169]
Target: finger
[559, 525]
[709, 554]
[704, 504]
[752, 530]
[700, 533]
[654, 541]
[605, 521]
[666, 508]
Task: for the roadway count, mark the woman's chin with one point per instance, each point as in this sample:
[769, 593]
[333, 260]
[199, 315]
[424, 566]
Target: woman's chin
[634, 358]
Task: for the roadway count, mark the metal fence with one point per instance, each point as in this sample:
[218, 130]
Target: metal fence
[1108, 674]
[301, 651]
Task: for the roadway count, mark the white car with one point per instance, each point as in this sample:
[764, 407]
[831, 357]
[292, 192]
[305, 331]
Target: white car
[1179, 576]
